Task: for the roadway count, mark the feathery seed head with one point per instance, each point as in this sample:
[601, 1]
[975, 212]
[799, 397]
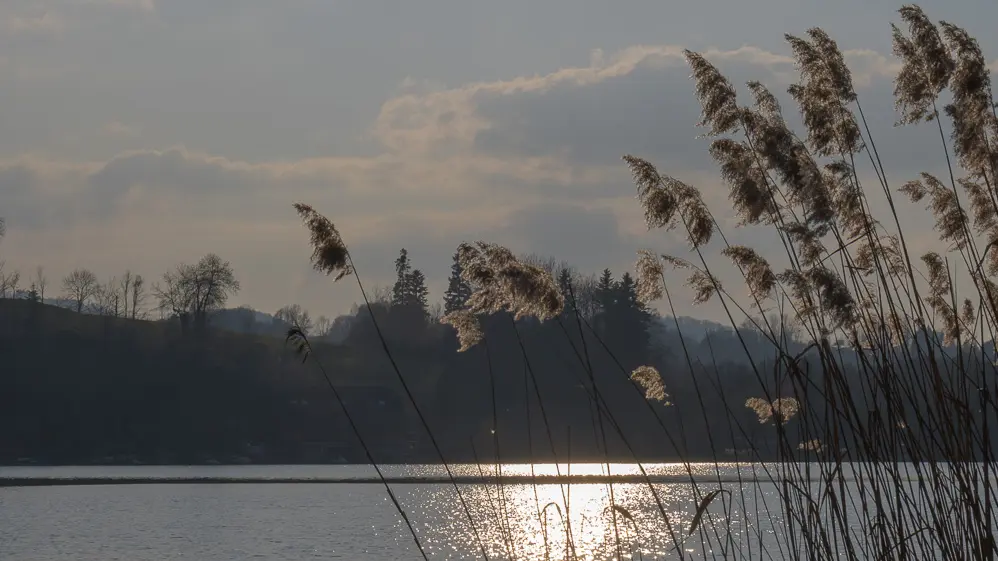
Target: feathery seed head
[967, 311]
[781, 410]
[938, 64]
[813, 445]
[974, 123]
[836, 300]
[750, 192]
[806, 240]
[926, 66]
[765, 102]
[951, 219]
[651, 382]
[985, 216]
[703, 285]
[823, 95]
[501, 282]
[940, 284]
[758, 275]
[329, 253]
[648, 271]
[469, 332]
[838, 74]
[716, 94]
[664, 198]
[847, 198]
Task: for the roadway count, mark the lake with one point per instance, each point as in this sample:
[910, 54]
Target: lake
[339, 512]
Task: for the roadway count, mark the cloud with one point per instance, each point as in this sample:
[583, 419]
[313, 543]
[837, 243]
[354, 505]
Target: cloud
[36, 21]
[119, 129]
[531, 161]
[139, 5]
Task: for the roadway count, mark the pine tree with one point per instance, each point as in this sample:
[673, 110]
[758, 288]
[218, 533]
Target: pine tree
[403, 270]
[418, 294]
[458, 291]
[605, 290]
[626, 321]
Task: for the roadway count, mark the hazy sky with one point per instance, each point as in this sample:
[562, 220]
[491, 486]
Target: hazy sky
[137, 134]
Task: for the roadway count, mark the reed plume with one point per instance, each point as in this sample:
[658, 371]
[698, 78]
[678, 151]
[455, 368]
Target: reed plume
[465, 322]
[758, 275]
[648, 277]
[717, 97]
[329, 253]
[926, 67]
[502, 282]
[651, 382]
[780, 410]
[951, 219]
[669, 203]
[972, 110]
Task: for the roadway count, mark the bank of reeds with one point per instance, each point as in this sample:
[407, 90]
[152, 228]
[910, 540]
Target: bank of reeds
[896, 462]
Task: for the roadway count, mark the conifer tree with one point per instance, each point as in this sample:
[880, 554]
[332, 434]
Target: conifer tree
[403, 270]
[458, 291]
[417, 293]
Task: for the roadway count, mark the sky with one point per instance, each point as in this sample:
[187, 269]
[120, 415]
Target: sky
[140, 134]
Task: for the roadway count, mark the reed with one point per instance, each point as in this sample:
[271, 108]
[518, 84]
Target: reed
[882, 425]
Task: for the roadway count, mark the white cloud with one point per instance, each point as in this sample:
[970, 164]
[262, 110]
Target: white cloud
[532, 161]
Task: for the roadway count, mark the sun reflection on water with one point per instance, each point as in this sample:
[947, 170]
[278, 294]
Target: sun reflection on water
[561, 521]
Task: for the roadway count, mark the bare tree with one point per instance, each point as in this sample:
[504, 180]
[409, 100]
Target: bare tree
[124, 289]
[175, 296]
[8, 282]
[435, 312]
[381, 295]
[107, 299]
[138, 297]
[295, 316]
[191, 292]
[40, 281]
[322, 326]
[80, 286]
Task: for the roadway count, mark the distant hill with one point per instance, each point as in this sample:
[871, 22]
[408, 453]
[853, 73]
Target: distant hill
[80, 389]
[692, 328]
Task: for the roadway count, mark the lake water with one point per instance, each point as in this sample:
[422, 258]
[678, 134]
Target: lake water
[331, 512]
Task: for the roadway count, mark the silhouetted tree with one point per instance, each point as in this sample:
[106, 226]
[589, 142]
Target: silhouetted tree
[400, 291]
[80, 286]
[295, 316]
[138, 297]
[418, 296]
[107, 299]
[322, 325]
[40, 282]
[124, 290]
[458, 291]
[190, 292]
[9, 282]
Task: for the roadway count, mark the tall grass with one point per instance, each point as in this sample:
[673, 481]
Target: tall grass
[883, 424]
